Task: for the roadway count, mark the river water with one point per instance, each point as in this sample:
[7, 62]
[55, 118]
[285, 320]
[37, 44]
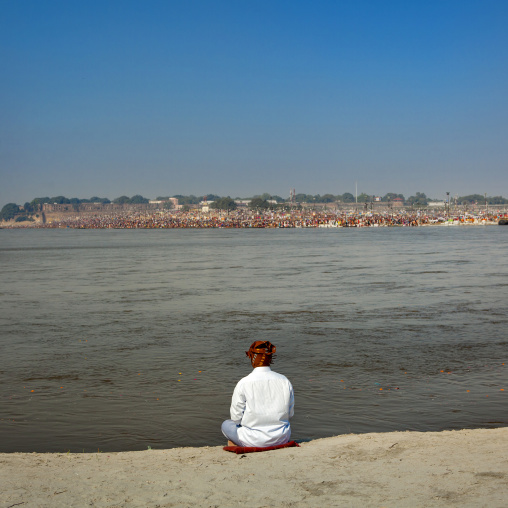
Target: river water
[128, 339]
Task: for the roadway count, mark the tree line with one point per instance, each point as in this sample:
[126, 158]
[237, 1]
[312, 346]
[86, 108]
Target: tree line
[259, 201]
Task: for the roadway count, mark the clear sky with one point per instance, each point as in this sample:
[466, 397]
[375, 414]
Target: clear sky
[243, 97]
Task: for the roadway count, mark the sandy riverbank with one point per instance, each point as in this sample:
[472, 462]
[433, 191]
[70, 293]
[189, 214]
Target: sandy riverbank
[402, 469]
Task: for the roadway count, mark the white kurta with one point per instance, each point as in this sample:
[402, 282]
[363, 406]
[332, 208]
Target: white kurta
[262, 403]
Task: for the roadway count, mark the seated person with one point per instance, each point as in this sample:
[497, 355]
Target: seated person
[262, 403]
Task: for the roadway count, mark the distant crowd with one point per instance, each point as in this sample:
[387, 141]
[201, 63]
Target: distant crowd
[250, 219]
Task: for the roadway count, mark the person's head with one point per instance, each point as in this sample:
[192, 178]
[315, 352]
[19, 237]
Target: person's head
[261, 353]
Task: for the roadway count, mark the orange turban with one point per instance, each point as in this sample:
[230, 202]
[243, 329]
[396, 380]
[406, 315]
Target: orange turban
[261, 353]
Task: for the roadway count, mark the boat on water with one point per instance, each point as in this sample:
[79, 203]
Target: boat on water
[503, 222]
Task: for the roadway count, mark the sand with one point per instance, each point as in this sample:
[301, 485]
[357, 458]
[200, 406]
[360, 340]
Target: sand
[466, 468]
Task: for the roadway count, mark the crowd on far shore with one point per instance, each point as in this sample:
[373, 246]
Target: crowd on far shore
[268, 219]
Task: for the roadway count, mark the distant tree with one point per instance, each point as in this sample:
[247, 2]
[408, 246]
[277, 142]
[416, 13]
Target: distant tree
[497, 200]
[138, 199]
[23, 218]
[38, 202]
[364, 198]
[471, 198]
[420, 199]
[28, 207]
[75, 201]
[480, 199]
[160, 198]
[9, 211]
[304, 198]
[328, 198]
[122, 200]
[212, 197]
[259, 204]
[60, 200]
[224, 204]
[96, 199]
[268, 197]
[347, 197]
[390, 196]
[187, 200]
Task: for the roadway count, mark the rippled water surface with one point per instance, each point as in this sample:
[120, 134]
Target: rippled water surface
[124, 339]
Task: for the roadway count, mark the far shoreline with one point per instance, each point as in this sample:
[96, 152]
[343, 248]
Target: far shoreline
[243, 218]
[30, 226]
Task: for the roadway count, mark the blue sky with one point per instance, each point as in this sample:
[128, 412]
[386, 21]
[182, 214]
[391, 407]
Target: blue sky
[244, 97]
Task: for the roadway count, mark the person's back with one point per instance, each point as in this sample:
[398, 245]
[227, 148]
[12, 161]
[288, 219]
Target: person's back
[262, 403]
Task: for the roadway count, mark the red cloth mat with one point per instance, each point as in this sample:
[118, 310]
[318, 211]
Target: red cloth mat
[252, 449]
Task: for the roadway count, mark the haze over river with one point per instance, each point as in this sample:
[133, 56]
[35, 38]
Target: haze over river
[124, 339]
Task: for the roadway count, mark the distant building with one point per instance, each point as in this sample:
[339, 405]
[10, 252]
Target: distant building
[57, 207]
[377, 198]
[161, 202]
[205, 206]
[436, 204]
